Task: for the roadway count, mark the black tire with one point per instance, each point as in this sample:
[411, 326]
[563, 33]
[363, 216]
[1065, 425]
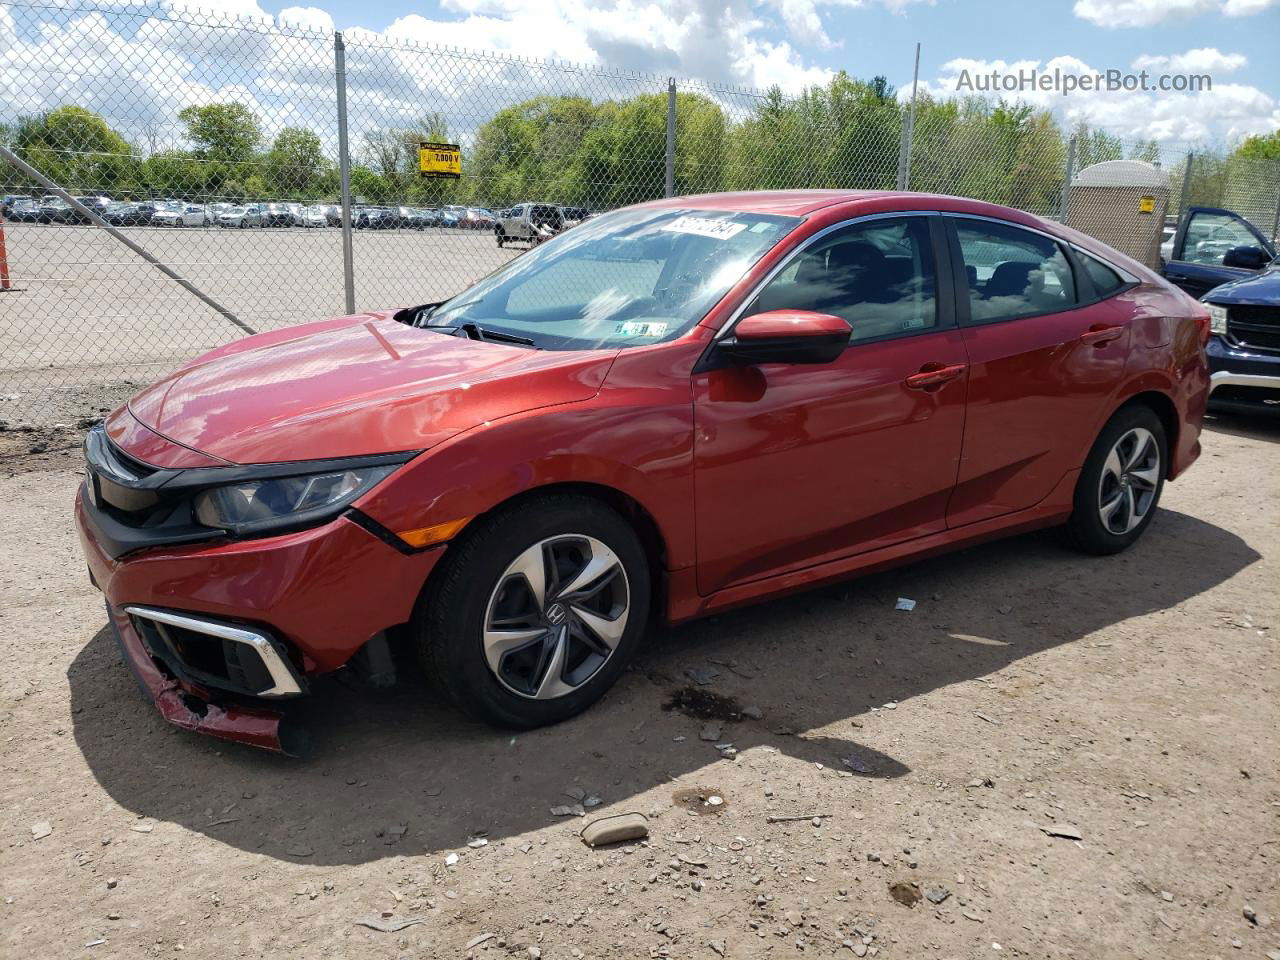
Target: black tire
[502, 237]
[1086, 529]
[452, 612]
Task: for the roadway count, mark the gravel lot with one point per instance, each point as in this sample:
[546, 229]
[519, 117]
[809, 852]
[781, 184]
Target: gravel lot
[1131, 701]
[88, 321]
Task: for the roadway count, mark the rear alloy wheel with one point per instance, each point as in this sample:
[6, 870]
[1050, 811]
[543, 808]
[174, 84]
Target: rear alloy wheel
[535, 610]
[1120, 485]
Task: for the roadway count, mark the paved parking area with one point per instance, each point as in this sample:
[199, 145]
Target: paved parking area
[88, 318]
[1032, 696]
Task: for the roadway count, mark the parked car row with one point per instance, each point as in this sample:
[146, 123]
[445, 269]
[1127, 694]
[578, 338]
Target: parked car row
[181, 213]
[535, 222]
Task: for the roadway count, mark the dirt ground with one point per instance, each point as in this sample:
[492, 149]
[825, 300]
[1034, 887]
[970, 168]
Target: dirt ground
[1032, 696]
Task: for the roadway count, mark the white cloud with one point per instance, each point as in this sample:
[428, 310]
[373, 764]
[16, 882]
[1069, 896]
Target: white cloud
[1201, 60]
[1226, 113]
[311, 18]
[1145, 13]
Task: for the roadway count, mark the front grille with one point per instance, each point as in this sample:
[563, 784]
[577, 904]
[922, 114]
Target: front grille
[1254, 326]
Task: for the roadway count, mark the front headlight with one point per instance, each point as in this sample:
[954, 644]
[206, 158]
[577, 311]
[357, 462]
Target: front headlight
[257, 506]
[1217, 318]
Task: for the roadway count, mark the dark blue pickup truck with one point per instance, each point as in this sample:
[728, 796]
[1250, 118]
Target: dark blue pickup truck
[1222, 258]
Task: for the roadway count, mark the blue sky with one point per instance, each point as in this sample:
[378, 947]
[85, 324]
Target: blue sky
[872, 38]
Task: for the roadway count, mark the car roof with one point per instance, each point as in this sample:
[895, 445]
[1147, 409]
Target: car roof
[794, 203]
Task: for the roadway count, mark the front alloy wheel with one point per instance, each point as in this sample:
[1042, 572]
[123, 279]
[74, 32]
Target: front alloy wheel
[556, 616]
[535, 610]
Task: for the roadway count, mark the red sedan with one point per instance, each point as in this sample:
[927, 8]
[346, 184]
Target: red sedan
[670, 410]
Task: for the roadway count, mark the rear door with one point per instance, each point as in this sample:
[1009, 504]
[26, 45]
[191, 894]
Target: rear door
[1204, 243]
[1046, 354]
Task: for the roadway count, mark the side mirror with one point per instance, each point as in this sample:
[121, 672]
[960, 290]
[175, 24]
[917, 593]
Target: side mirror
[787, 336]
[1246, 257]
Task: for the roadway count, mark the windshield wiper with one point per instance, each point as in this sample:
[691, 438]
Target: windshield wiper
[477, 332]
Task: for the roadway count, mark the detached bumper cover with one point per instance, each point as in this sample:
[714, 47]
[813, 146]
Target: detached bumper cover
[183, 707]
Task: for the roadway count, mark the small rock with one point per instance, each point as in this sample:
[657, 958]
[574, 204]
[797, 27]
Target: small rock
[1005, 610]
[451, 860]
[936, 895]
[753, 713]
[1166, 896]
[717, 946]
[710, 732]
[795, 918]
[476, 941]
[113, 916]
[1064, 830]
[859, 949]
[1250, 915]
[112, 883]
[534, 953]
[41, 829]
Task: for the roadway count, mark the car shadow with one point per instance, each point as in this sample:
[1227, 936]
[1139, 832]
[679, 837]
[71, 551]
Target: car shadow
[1263, 426]
[399, 772]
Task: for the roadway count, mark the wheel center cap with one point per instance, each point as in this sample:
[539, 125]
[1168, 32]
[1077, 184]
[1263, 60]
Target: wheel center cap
[557, 614]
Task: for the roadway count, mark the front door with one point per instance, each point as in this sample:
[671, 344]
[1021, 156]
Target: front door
[796, 465]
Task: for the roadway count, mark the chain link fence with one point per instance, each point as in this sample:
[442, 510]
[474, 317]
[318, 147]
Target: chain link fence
[215, 147]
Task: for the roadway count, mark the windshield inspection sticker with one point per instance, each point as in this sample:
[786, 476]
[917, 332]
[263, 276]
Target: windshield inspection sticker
[705, 227]
[634, 328]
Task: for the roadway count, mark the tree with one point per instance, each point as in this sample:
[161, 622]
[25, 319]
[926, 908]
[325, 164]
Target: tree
[228, 132]
[78, 149]
[296, 165]
[1260, 147]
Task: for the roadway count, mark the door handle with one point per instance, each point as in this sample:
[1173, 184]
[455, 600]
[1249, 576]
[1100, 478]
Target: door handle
[934, 375]
[1097, 336]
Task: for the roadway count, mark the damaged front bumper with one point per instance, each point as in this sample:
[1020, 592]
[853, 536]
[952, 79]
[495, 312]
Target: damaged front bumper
[189, 706]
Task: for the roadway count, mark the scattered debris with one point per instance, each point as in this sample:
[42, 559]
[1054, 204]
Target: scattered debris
[385, 925]
[906, 892]
[1005, 610]
[41, 829]
[616, 829]
[982, 716]
[1064, 830]
[753, 712]
[981, 782]
[451, 860]
[855, 763]
[1250, 915]
[700, 800]
[710, 731]
[936, 895]
[807, 816]
[476, 941]
[717, 946]
[96, 943]
[905, 603]
[142, 827]
[565, 810]
[301, 850]
[476, 842]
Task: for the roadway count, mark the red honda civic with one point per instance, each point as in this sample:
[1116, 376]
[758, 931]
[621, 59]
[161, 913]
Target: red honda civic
[670, 410]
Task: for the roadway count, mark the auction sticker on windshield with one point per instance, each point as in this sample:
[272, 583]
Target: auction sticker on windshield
[705, 227]
[633, 328]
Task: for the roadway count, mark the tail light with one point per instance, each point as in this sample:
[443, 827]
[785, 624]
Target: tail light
[1204, 322]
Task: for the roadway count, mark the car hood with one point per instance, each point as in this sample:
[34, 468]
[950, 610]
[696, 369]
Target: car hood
[355, 385]
[1262, 288]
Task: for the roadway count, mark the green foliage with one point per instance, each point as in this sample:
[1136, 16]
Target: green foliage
[1260, 147]
[296, 166]
[226, 132]
[78, 149]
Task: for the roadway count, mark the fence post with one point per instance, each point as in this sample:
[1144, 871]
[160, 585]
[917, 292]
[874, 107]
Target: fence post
[344, 173]
[671, 138]
[908, 131]
[1275, 225]
[1066, 181]
[1186, 184]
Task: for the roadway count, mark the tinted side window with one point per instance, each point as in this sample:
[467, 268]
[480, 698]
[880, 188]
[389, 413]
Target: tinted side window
[878, 275]
[1013, 272]
[1105, 280]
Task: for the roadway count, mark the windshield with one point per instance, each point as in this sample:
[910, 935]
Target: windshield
[633, 277]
